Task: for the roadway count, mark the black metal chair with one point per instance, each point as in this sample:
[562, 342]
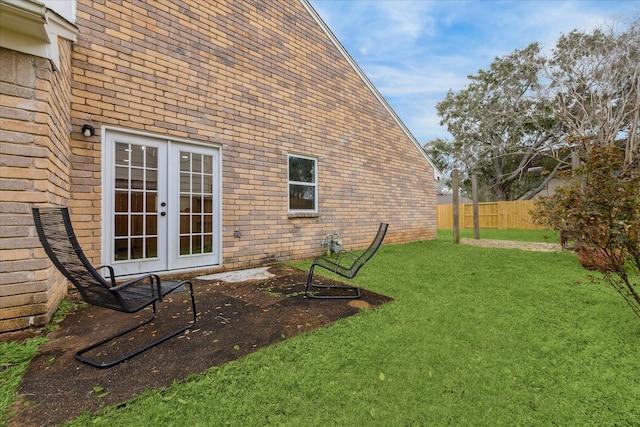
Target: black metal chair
[59, 241]
[346, 265]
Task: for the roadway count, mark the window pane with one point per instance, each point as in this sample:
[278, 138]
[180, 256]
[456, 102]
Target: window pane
[196, 162]
[137, 155]
[152, 202]
[302, 170]
[196, 245]
[208, 224]
[185, 162]
[208, 243]
[207, 184]
[121, 177]
[137, 179]
[196, 205]
[122, 225]
[208, 205]
[121, 201]
[137, 225]
[185, 245]
[207, 164]
[184, 183]
[152, 224]
[302, 197]
[137, 202]
[152, 180]
[122, 154]
[152, 247]
[185, 204]
[196, 186]
[121, 249]
[137, 248]
[185, 224]
[152, 157]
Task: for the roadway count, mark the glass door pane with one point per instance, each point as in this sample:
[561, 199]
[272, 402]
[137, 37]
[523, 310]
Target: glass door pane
[196, 198]
[135, 196]
[196, 179]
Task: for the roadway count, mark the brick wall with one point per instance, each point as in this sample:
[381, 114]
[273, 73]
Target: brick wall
[34, 169]
[261, 80]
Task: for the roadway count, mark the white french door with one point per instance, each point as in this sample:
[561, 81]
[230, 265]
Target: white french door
[161, 204]
[193, 192]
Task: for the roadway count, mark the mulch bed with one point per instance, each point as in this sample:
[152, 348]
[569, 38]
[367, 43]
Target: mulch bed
[234, 319]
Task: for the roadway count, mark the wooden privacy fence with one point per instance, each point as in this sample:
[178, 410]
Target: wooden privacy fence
[499, 215]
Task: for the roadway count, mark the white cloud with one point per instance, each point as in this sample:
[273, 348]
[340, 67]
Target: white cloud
[407, 19]
[423, 79]
[415, 51]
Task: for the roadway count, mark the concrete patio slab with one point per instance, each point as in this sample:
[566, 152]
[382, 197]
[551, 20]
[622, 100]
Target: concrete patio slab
[237, 276]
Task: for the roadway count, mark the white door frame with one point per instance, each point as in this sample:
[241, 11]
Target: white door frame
[176, 259]
[168, 257]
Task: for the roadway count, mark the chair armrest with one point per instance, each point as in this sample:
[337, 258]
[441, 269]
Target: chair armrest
[344, 257]
[354, 259]
[154, 283]
[112, 276]
[346, 254]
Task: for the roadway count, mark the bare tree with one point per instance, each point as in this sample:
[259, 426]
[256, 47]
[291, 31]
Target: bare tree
[595, 79]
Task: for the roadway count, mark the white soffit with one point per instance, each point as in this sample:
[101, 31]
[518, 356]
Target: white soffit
[27, 26]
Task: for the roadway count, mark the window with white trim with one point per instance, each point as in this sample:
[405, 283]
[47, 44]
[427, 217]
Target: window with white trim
[303, 184]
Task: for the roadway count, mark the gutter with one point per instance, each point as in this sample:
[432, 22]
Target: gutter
[28, 26]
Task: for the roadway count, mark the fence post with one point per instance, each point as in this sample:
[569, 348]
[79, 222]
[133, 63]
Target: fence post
[456, 206]
[476, 215]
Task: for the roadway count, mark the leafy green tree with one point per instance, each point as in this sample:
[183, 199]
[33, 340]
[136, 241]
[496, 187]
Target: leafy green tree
[528, 107]
[500, 122]
[441, 153]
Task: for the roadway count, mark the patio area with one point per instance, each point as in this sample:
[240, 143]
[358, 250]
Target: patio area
[238, 313]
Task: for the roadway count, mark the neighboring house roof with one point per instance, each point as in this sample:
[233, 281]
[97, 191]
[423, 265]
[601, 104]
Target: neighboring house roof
[550, 188]
[437, 174]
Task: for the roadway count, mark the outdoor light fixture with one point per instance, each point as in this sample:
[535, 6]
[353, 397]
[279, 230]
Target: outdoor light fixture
[88, 130]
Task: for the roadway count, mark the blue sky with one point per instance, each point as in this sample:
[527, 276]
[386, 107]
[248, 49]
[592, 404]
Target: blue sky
[415, 51]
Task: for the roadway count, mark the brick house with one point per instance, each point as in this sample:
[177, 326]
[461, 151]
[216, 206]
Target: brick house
[219, 135]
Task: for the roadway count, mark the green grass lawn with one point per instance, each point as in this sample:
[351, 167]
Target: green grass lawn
[14, 361]
[475, 337]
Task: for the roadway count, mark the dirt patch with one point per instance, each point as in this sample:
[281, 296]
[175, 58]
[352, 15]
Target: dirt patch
[234, 319]
[508, 244]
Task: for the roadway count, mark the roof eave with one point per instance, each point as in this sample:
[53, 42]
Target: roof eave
[28, 26]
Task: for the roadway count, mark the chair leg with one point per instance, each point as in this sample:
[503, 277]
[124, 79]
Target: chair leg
[173, 286]
[109, 364]
[309, 279]
[193, 304]
[352, 292]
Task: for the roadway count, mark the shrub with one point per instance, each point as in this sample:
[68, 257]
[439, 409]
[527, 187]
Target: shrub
[600, 209]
